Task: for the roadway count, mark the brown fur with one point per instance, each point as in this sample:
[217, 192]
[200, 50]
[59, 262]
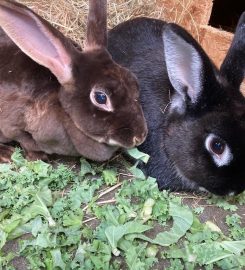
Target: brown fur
[96, 29]
[6, 152]
[44, 115]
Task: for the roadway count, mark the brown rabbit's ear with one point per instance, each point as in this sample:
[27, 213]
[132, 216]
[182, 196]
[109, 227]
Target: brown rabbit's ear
[97, 25]
[37, 39]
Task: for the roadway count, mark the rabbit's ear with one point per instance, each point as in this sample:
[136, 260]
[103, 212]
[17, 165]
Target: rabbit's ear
[96, 36]
[233, 67]
[37, 39]
[184, 66]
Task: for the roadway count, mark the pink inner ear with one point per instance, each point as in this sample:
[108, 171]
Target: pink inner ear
[37, 41]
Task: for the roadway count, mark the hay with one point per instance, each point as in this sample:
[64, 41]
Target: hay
[215, 42]
[187, 13]
[69, 16]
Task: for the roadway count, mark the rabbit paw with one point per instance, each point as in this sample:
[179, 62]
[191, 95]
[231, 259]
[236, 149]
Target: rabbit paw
[6, 152]
[32, 156]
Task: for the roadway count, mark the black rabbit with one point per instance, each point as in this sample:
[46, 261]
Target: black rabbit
[195, 112]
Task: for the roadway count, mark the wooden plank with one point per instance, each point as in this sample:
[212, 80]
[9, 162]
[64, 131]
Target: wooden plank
[216, 43]
[187, 13]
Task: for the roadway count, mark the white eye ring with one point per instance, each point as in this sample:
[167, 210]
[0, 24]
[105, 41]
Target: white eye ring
[222, 159]
[98, 96]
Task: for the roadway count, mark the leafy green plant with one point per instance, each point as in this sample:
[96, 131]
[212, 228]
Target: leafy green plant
[91, 219]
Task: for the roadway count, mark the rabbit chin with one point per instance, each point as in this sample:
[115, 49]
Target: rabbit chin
[113, 142]
[110, 141]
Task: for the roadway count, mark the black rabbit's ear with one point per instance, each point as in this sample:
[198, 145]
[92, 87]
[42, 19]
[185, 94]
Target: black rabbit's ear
[184, 66]
[233, 67]
[96, 36]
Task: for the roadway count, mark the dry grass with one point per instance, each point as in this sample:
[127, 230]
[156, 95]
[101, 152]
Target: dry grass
[69, 16]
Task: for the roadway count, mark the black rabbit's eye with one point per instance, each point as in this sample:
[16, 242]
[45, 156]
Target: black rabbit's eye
[220, 151]
[100, 97]
[217, 146]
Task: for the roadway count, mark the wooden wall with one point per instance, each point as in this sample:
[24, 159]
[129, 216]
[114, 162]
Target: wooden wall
[194, 15]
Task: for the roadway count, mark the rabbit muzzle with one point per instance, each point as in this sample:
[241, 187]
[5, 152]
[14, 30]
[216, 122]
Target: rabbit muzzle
[127, 137]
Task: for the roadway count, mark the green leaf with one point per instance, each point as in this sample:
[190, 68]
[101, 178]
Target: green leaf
[79, 257]
[115, 233]
[137, 172]
[4, 213]
[222, 202]
[213, 227]
[151, 251]
[39, 167]
[133, 258]
[182, 221]
[36, 226]
[44, 240]
[176, 264]
[198, 210]
[57, 259]
[8, 225]
[18, 158]
[3, 238]
[136, 257]
[110, 177]
[86, 168]
[5, 168]
[208, 253]
[135, 153]
[236, 231]
[147, 209]
[72, 219]
[235, 247]
[43, 198]
[33, 227]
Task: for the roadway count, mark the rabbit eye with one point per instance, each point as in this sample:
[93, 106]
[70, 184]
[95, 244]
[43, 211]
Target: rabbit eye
[219, 150]
[100, 97]
[217, 146]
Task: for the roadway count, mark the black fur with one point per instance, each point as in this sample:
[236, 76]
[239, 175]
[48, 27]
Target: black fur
[233, 67]
[176, 139]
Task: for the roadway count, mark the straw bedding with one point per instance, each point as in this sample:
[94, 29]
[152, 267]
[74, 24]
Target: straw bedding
[69, 16]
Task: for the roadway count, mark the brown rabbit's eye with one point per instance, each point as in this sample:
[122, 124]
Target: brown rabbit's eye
[100, 97]
[217, 146]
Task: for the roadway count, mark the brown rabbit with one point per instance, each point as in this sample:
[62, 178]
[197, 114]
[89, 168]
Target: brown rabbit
[57, 99]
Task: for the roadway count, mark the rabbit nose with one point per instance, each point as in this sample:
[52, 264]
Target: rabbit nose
[137, 141]
[144, 135]
[140, 139]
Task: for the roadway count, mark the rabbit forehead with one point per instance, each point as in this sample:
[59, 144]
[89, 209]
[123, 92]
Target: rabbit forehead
[101, 71]
[221, 124]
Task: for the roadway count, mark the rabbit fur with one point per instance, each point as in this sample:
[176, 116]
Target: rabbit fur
[55, 98]
[195, 113]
